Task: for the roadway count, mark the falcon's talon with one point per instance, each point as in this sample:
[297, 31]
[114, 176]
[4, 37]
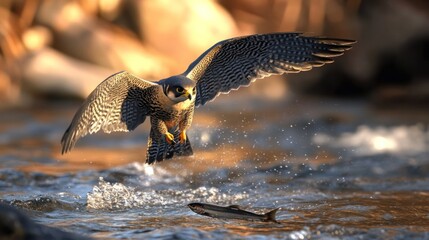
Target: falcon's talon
[170, 138]
[182, 137]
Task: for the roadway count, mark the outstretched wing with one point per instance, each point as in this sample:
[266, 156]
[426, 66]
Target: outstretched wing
[119, 103]
[237, 62]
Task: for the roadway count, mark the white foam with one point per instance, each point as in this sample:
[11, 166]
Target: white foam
[118, 196]
[375, 140]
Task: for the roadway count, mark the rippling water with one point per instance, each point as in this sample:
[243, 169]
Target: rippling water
[336, 170]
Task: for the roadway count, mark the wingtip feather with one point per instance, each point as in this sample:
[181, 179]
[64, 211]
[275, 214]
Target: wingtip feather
[336, 41]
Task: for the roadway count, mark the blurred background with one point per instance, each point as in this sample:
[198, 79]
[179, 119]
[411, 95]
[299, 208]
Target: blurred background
[64, 48]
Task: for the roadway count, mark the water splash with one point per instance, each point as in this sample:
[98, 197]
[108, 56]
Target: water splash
[149, 175]
[117, 196]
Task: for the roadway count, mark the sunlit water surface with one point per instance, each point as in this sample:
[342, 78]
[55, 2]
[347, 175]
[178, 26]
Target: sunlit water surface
[337, 169]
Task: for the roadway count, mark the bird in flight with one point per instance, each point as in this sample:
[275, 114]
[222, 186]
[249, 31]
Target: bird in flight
[123, 101]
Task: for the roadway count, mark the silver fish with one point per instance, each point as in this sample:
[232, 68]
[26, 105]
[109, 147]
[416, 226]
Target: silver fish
[232, 212]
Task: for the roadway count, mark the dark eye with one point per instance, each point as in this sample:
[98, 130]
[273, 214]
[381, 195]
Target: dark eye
[193, 90]
[179, 89]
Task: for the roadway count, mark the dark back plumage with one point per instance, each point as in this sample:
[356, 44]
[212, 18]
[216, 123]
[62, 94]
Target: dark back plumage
[237, 62]
[178, 80]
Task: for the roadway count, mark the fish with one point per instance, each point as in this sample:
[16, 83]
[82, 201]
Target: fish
[232, 212]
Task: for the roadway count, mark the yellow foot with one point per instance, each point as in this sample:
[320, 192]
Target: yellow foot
[182, 137]
[169, 138]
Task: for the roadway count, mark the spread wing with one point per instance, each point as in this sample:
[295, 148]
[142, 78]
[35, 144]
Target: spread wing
[237, 62]
[119, 103]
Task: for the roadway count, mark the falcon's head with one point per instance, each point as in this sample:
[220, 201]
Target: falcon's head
[179, 88]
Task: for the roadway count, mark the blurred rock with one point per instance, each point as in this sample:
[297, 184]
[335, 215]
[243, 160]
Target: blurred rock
[333, 17]
[9, 90]
[11, 50]
[182, 30]
[386, 27]
[391, 51]
[36, 37]
[267, 16]
[47, 72]
[14, 225]
[82, 36]
[106, 9]
[155, 39]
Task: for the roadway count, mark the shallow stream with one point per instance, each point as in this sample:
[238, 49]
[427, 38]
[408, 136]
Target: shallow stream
[336, 168]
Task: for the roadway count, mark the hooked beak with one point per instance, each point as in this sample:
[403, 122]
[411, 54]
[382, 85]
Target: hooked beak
[188, 95]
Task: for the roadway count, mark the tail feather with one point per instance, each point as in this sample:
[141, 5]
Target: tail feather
[159, 150]
[184, 149]
[271, 215]
[156, 151]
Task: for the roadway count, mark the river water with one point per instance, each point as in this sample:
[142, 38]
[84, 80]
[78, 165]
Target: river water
[337, 169]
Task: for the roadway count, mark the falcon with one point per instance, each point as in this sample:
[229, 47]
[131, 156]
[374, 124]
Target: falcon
[124, 101]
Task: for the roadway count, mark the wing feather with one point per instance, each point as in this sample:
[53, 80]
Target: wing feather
[119, 103]
[237, 62]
